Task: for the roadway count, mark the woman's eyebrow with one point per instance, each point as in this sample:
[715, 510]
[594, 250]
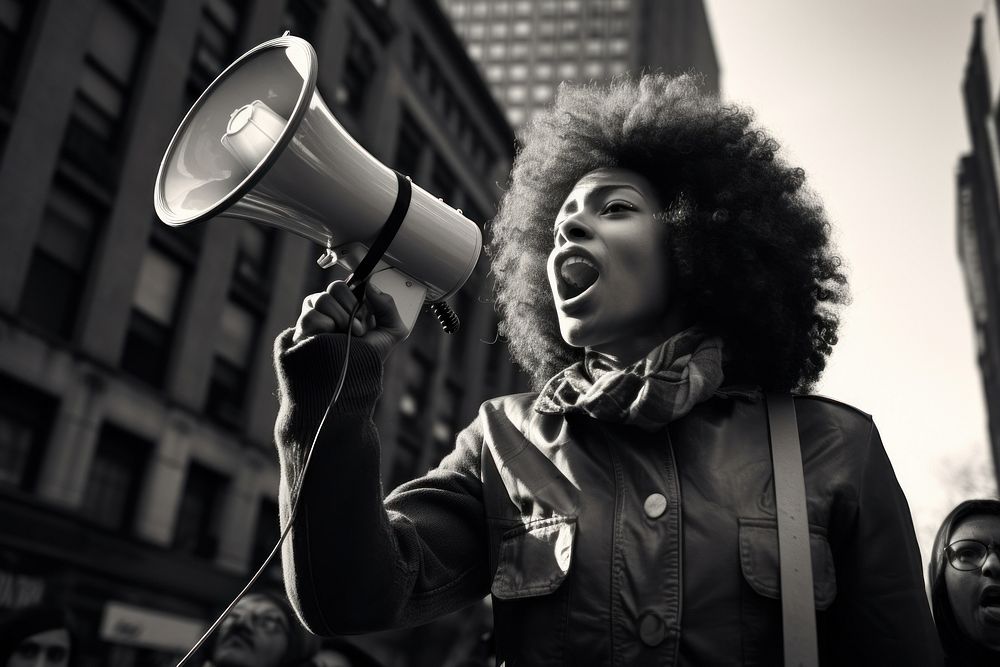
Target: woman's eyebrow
[602, 190]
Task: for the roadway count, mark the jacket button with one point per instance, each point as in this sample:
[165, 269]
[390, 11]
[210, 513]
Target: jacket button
[651, 629]
[655, 505]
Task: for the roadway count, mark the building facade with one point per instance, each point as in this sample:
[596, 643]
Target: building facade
[138, 478]
[978, 208]
[525, 48]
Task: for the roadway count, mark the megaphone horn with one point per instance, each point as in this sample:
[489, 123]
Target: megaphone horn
[261, 145]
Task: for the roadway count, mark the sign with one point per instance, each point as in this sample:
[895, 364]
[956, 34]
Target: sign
[20, 590]
[149, 628]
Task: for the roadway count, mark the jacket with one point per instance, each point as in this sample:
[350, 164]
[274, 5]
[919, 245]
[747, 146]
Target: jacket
[600, 544]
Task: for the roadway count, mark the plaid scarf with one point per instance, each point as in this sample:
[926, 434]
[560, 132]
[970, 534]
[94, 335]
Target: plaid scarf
[654, 391]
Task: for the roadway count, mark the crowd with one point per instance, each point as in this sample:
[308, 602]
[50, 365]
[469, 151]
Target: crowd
[263, 631]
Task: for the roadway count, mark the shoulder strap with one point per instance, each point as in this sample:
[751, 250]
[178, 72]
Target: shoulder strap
[798, 609]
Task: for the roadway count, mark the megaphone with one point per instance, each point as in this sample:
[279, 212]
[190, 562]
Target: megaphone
[261, 145]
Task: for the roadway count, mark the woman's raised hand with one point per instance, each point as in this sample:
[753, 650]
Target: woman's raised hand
[377, 322]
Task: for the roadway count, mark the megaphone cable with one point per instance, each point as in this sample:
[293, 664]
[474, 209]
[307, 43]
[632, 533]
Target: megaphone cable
[296, 492]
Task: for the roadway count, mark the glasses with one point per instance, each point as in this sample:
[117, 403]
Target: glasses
[269, 622]
[968, 555]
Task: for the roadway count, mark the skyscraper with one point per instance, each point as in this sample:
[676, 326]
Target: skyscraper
[525, 48]
[978, 208]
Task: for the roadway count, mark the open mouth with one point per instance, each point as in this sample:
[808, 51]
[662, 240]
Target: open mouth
[577, 274]
[989, 601]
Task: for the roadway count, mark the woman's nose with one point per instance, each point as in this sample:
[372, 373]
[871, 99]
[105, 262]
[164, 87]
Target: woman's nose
[573, 228]
[991, 568]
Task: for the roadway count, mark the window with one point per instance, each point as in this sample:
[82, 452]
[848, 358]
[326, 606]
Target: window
[409, 145]
[478, 9]
[476, 30]
[593, 70]
[494, 73]
[523, 7]
[498, 30]
[230, 369]
[618, 46]
[93, 135]
[56, 276]
[417, 386]
[359, 68]
[516, 116]
[594, 47]
[253, 254]
[569, 48]
[497, 51]
[519, 50]
[543, 70]
[541, 93]
[567, 70]
[618, 67]
[516, 94]
[446, 425]
[116, 475]
[476, 51]
[518, 72]
[155, 304]
[302, 17]
[215, 44]
[442, 181]
[15, 21]
[26, 415]
[198, 517]
[547, 29]
[267, 533]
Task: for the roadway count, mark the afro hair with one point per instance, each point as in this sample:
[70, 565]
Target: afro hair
[750, 245]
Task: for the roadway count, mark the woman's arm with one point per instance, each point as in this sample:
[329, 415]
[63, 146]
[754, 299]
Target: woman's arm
[881, 609]
[352, 563]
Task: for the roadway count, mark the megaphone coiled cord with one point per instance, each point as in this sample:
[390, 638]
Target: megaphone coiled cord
[296, 495]
[446, 316]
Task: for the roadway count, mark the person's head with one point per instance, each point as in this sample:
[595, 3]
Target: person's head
[36, 637]
[964, 575]
[262, 631]
[682, 214]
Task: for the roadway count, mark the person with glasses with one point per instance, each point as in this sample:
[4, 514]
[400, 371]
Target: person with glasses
[964, 575]
[36, 637]
[262, 631]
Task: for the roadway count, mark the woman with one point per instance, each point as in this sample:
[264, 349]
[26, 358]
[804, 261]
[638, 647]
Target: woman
[964, 574]
[658, 267]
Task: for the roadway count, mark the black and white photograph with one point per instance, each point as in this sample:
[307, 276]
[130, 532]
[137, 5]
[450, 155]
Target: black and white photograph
[499, 333]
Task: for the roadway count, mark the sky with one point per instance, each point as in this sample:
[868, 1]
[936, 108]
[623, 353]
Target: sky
[865, 96]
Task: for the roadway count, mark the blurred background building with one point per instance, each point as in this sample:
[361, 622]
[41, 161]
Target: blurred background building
[137, 472]
[525, 48]
[978, 207]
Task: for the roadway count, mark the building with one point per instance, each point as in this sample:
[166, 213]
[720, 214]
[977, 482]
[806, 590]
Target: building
[978, 208]
[137, 472]
[525, 48]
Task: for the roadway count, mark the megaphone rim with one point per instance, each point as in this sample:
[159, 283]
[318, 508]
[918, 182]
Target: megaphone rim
[163, 209]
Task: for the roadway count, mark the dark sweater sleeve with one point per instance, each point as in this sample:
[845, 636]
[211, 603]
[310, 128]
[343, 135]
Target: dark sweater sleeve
[353, 561]
[881, 604]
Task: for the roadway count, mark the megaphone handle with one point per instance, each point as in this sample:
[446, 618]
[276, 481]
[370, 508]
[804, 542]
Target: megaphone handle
[385, 235]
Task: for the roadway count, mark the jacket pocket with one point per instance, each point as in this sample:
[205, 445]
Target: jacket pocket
[760, 564]
[534, 558]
